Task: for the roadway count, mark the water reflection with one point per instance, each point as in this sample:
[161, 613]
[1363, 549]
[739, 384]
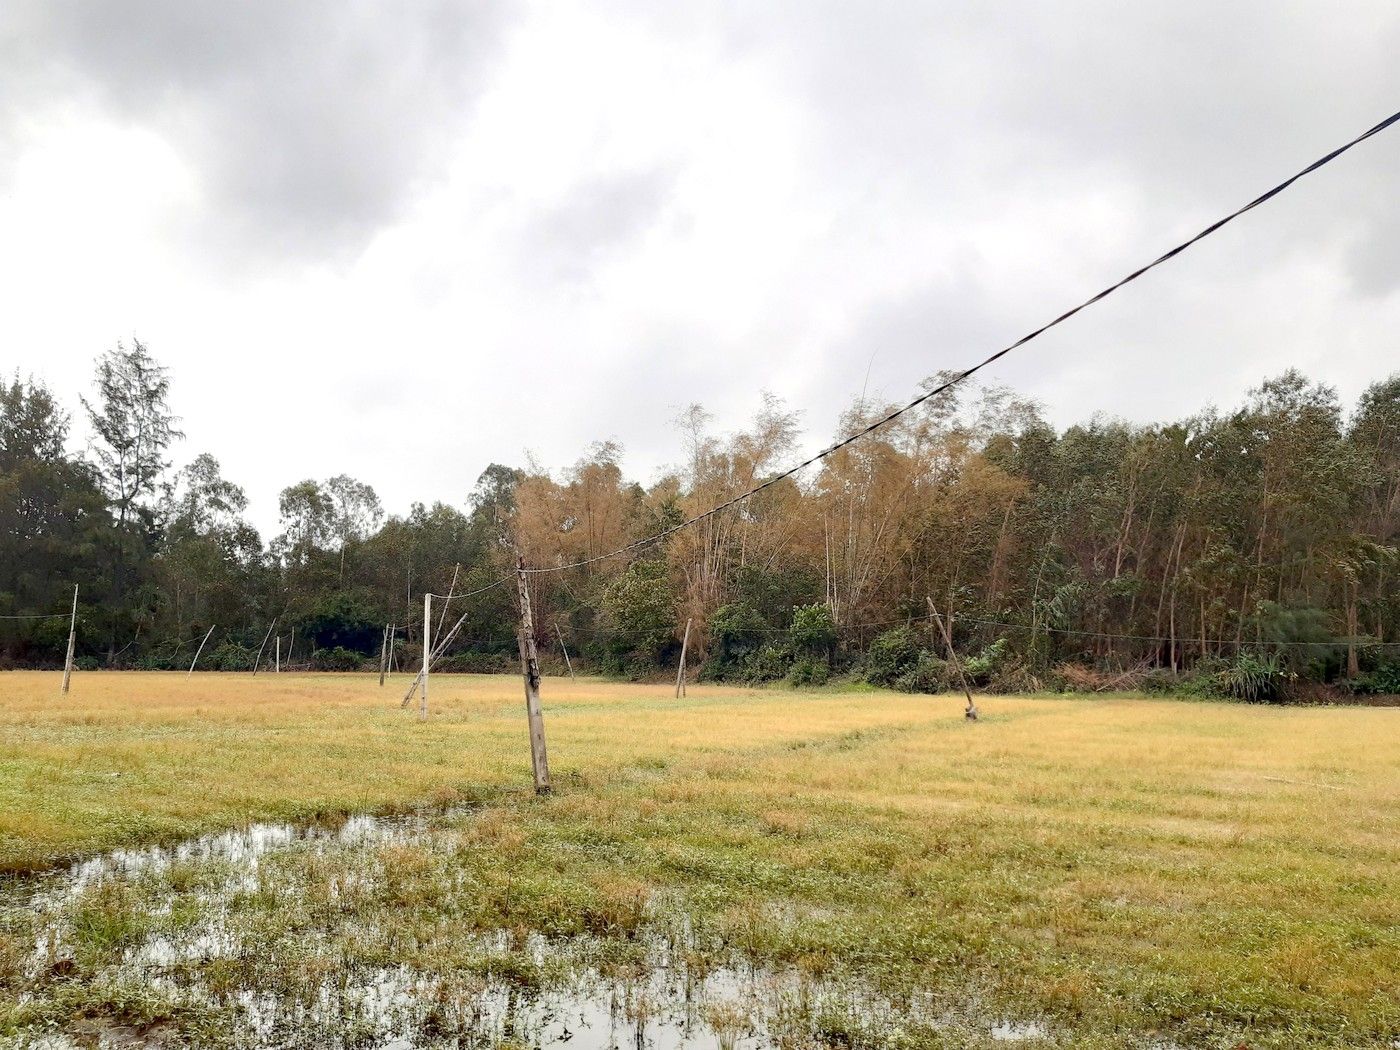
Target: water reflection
[659, 1000]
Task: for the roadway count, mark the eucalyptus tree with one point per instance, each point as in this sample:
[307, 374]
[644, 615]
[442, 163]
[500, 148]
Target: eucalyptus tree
[133, 428]
[355, 512]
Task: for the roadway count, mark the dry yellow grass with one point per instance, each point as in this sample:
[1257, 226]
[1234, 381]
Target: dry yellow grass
[132, 757]
[1210, 871]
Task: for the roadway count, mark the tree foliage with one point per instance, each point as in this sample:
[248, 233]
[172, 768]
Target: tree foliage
[1255, 547]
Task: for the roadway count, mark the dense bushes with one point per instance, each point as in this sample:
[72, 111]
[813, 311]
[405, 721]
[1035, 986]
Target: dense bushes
[1383, 679]
[336, 659]
[890, 655]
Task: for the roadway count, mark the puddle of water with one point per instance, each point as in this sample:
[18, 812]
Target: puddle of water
[1018, 1031]
[661, 1002]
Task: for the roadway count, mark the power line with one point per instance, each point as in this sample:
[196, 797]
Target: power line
[892, 416]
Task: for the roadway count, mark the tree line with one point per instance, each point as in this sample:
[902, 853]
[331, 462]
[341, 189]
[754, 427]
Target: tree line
[1249, 551]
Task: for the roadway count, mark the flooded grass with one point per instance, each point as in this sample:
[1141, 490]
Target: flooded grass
[276, 935]
[734, 870]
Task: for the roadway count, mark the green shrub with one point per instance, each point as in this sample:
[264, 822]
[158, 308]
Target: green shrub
[1161, 681]
[639, 667]
[813, 631]
[343, 620]
[229, 656]
[736, 631]
[767, 664]
[642, 613]
[809, 672]
[336, 659]
[986, 664]
[1382, 680]
[167, 655]
[891, 654]
[928, 675]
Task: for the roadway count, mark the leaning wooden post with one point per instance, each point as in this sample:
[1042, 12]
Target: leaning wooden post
[680, 673]
[262, 647]
[451, 590]
[291, 644]
[427, 655]
[567, 662]
[72, 634]
[971, 712]
[530, 671]
[383, 653]
[200, 649]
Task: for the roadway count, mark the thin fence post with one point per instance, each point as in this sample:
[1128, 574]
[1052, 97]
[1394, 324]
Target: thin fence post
[277, 658]
[530, 671]
[971, 712]
[200, 649]
[567, 662]
[680, 673]
[263, 647]
[291, 644]
[451, 590]
[383, 653]
[427, 655]
[72, 634]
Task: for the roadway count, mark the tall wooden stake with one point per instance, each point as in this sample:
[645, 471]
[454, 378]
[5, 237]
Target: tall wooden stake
[971, 713]
[567, 662]
[680, 674]
[200, 649]
[72, 634]
[291, 644]
[277, 659]
[262, 647]
[383, 653]
[427, 654]
[530, 671]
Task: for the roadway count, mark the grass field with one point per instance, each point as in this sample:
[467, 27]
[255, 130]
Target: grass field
[1102, 872]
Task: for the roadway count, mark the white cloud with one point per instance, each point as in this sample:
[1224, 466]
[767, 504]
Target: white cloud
[405, 244]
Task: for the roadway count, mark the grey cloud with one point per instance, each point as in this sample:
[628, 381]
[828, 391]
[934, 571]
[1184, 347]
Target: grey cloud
[597, 216]
[961, 173]
[308, 123]
[1374, 258]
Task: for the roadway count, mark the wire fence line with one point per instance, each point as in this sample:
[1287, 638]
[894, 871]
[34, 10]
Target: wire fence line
[928, 395]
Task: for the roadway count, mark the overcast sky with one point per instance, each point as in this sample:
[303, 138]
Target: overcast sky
[402, 241]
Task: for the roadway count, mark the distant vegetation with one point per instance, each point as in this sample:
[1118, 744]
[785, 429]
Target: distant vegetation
[1248, 553]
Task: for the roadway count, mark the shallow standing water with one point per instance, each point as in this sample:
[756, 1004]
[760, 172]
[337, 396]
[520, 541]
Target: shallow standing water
[270, 988]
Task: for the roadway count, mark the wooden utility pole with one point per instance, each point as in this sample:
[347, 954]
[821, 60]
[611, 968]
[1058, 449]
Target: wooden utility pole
[530, 671]
[971, 713]
[427, 655]
[680, 673]
[72, 635]
[567, 662]
[383, 653]
[200, 649]
[263, 647]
